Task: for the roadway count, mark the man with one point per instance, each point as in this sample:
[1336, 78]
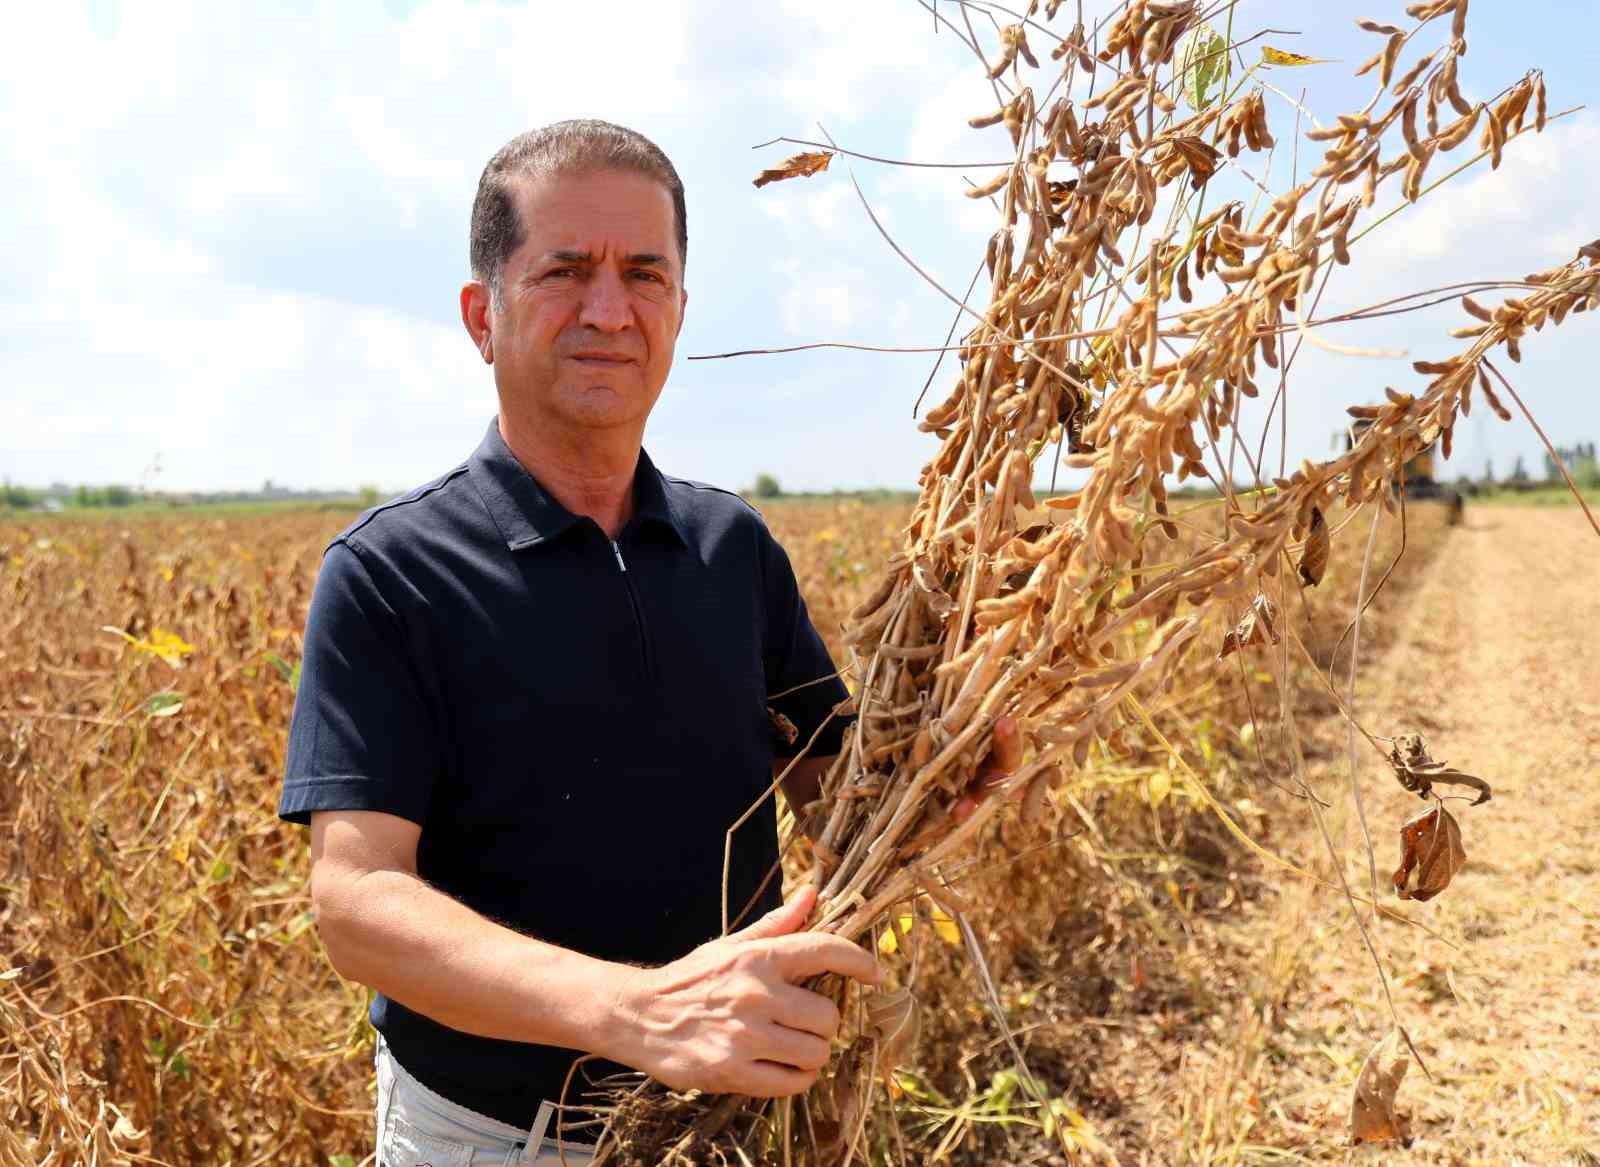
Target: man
[534, 697]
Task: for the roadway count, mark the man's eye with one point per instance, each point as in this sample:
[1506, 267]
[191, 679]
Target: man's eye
[559, 271]
[647, 274]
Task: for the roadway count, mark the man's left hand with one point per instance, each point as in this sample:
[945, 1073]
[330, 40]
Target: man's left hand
[1005, 755]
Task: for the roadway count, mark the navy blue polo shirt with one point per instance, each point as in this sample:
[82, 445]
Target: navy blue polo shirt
[573, 723]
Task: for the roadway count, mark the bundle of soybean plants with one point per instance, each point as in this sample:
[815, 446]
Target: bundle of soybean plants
[1127, 322]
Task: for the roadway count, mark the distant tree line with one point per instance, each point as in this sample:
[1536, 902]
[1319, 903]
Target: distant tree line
[24, 498]
[65, 496]
[19, 497]
[1580, 461]
[115, 495]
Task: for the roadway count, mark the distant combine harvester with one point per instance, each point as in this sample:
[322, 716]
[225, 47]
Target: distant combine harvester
[1419, 481]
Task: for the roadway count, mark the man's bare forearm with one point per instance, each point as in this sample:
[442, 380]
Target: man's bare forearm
[434, 955]
[728, 1017]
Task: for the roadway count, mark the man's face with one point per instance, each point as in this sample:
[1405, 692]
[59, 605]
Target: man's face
[592, 302]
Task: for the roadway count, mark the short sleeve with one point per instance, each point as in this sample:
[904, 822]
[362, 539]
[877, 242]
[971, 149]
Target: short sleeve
[802, 680]
[362, 736]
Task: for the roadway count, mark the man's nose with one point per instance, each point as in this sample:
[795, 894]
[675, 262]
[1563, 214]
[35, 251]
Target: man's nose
[605, 303]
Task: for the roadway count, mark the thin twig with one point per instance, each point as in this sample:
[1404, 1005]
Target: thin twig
[1555, 455]
[838, 149]
[1350, 702]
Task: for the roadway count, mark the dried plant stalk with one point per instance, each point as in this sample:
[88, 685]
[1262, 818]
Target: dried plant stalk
[978, 616]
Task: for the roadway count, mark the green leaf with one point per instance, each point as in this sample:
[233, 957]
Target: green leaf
[1202, 65]
[342, 1160]
[1003, 1085]
[290, 673]
[164, 704]
[220, 870]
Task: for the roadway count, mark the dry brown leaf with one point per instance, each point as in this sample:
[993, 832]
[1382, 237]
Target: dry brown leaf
[1430, 852]
[1372, 1114]
[1314, 560]
[840, 1097]
[1418, 772]
[800, 166]
[892, 1018]
[1259, 626]
[1199, 156]
[785, 728]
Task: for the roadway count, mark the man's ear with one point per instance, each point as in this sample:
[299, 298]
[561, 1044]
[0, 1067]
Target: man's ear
[477, 313]
[683, 309]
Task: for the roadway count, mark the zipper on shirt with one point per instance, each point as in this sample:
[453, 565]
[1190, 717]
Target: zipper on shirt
[638, 612]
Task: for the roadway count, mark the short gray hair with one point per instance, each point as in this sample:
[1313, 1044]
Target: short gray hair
[577, 146]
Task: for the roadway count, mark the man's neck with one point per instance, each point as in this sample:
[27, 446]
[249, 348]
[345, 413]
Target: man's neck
[589, 475]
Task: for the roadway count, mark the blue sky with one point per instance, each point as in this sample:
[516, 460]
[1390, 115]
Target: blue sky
[234, 234]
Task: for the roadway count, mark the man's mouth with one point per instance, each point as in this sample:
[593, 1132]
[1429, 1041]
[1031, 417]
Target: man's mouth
[602, 358]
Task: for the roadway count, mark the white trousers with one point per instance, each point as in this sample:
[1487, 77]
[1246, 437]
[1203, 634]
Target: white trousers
[419, 1128]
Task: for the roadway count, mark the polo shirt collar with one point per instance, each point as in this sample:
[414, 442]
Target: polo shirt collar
[529, 515]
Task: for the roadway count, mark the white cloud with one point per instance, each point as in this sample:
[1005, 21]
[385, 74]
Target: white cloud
[817, 309]
[258, 165]
[844, 56]
[234, 232]
[390, 151]
[550, 52]
[1537, 201]
[100, 257]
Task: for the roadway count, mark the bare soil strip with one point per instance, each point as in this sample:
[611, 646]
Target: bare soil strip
[1497, 665]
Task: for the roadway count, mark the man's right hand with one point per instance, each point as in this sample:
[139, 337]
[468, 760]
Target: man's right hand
[731, 1017]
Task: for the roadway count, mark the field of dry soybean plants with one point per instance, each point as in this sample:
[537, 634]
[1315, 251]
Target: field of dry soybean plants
[165, 998]
[1294, 866]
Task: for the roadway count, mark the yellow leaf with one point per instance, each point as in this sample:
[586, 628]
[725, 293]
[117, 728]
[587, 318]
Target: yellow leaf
[943, 926]
[169, 646]
[180, 849]
[1272, 56]
[888, 943]
[1160, 787]
[166, 573]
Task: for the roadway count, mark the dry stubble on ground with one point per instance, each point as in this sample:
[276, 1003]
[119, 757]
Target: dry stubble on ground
[1494, 662]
